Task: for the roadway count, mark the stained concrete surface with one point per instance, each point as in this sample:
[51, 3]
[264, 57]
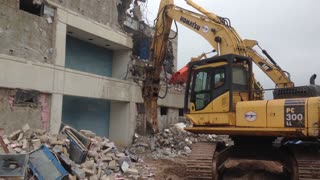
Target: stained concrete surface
[10, 3]
[101, 11]
[14, 117]
[25, 35]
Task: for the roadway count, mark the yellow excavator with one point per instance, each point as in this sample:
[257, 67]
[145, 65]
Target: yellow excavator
[223, 97]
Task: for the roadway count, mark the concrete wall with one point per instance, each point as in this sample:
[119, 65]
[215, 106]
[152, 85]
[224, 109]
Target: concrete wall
[13, 117]
[164, 121]
[171, 118]
[86, 113]
[101, 11]
[86, 57]
[122, 122]
[25, 35]
[120, 62]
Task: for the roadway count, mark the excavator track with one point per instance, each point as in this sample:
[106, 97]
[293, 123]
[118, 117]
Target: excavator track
[200, 164]
[308, 165]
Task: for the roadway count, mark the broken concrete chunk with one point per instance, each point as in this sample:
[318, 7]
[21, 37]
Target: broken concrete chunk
[107, 150]
[132, 171]
[113, 164]
[123, 160]
[15, 135]
[61, 137]
[88, 134]
[40, 131]
[25, 144]
[124, 166]
[99, 172]
[89, 172]
[56, 149]
[120, 155]
[6, 141]
[25, 128]
[78, 172]
[36, 143]
[18, 150]
[105, 177]
[187, 149]
[94, 177]
[49, 20]
[88, 164]
[20, 136]
[92, 153]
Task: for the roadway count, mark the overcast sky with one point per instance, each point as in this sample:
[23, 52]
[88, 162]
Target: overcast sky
[288, 29]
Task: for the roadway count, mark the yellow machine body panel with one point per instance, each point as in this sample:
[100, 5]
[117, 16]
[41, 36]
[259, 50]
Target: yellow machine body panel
[299, 117]
[313, 117]
[216, 112]
[209, 119]
[220, 104]
[251, 114]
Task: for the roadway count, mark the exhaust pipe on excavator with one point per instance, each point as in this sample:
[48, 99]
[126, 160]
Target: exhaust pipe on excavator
[312, 79]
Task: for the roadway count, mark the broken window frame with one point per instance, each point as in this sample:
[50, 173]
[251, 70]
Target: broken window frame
[26, 98]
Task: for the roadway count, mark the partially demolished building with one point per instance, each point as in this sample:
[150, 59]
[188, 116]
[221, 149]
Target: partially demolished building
[77, 63]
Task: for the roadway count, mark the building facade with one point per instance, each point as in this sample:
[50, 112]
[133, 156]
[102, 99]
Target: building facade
[67, 63]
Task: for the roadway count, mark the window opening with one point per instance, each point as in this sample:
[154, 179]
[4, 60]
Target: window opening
[26, 98]
[140, 108]
[181, 112]
[32, 6]
[163, 111]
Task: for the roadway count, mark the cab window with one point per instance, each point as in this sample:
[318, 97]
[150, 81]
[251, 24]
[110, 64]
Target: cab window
[240, 78]
[219, 78]
[202, 89]
[207, 85]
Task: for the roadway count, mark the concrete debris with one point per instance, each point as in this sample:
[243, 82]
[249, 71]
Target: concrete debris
[37, 2]
[172, 142]
[26, 128]
[15, 135]
[103, 160]
[49, 20]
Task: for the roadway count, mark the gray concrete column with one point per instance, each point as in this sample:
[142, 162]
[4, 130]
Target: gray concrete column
[59, 75]
[122, 122]
[120, 62]
[55, 113]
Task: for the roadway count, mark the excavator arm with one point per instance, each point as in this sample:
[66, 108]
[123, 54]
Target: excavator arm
[158, 49]
[275, 73]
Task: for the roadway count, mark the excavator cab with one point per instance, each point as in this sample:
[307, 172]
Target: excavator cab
[214, 86]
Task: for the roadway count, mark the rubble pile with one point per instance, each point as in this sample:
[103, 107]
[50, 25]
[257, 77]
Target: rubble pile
[172, 142]
[82, 154]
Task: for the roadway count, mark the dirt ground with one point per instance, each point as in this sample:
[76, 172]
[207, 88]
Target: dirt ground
[175, 169]
[163, 169]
